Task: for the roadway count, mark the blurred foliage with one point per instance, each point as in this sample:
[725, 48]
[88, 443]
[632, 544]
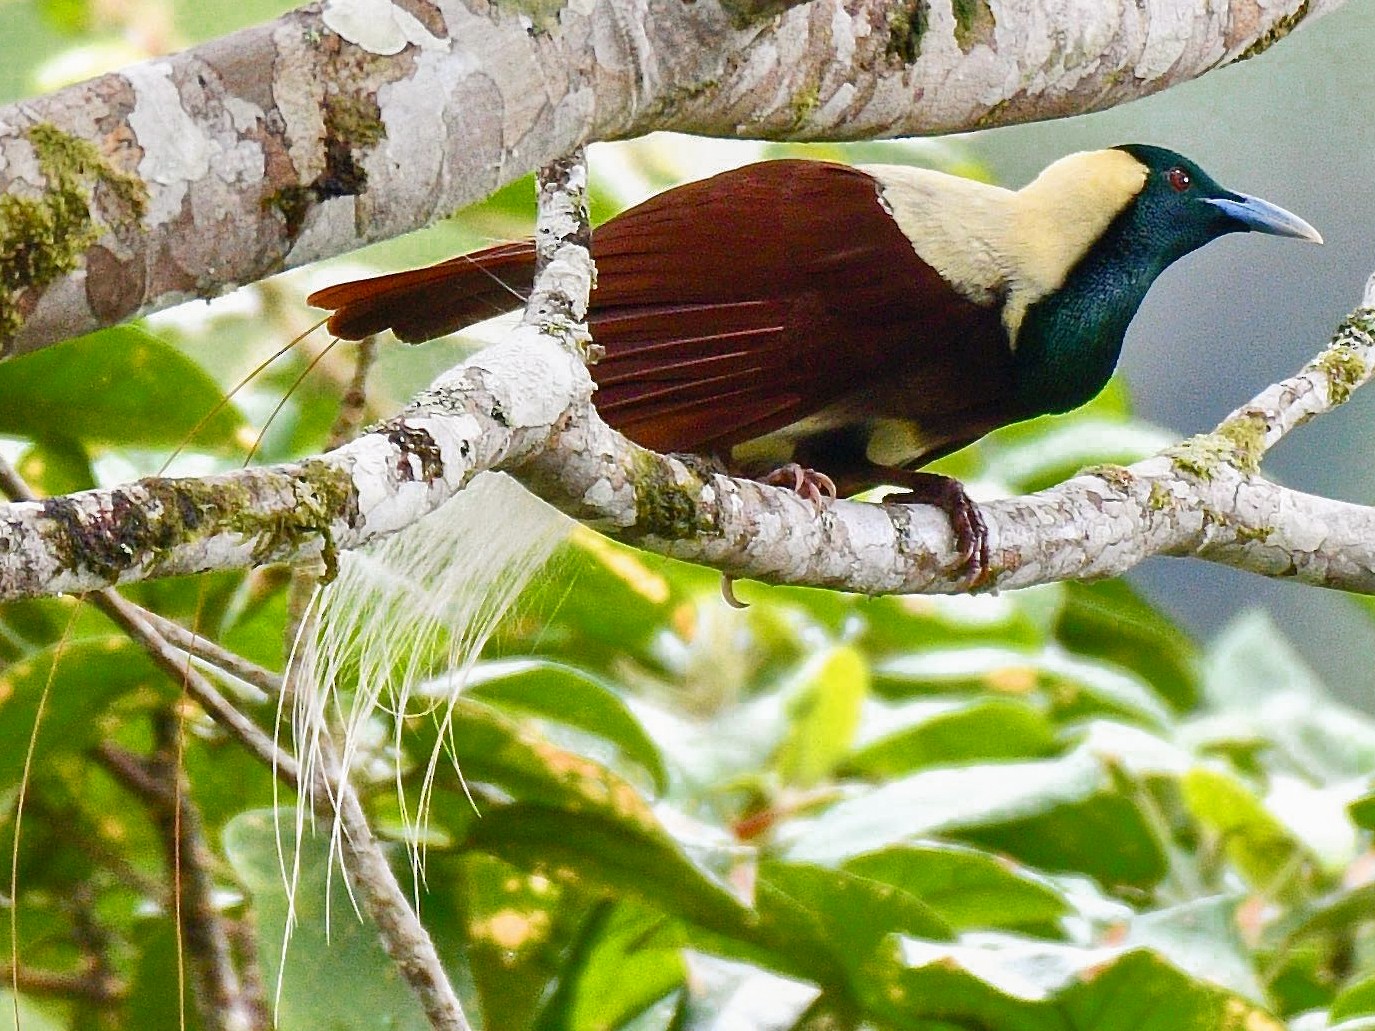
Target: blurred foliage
[1042, 810]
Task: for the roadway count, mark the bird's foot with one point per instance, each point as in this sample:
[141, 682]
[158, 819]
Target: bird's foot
[818, 488]
[967, 522]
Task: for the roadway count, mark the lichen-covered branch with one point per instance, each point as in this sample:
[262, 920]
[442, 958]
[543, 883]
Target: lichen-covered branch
[349, 121]
[525, 406]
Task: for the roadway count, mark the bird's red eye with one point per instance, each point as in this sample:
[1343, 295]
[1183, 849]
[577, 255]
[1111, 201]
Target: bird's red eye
[1179, 179]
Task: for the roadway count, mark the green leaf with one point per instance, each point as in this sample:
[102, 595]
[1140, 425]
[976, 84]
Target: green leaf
[1063, 449]
[630, 855]
[968, 888]
[823, 711]
[1259, 846]
[1074, 687]
[898, 739]
[1202, 938]
[824, 920]
[55, 466]
[618, 971]
[89, 674]
[1142, 992]
[1017, 984]
[515, 931]
[120, 386]
[1063, 814]
[1110, 621]
[515, 754]
[568, 695]
[1363, 812]
[1356, 1000]
[336, 973]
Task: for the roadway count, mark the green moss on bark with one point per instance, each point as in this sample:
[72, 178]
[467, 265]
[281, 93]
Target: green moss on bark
[43, 237]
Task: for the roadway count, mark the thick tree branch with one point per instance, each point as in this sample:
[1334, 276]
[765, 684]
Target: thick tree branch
[525, 406]
[349, 121]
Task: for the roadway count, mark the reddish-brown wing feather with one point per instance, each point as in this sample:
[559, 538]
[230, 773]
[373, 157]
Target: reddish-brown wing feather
[425, 303]
[739, 306]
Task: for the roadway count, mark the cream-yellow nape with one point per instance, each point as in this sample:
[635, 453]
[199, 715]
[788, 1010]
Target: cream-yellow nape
[1066, 209]
[992, 244]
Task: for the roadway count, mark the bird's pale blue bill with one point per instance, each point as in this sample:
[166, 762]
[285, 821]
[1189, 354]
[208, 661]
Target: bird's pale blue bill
[1264, 217]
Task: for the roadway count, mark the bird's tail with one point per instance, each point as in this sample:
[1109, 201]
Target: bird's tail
[396, 632]
[429, 302]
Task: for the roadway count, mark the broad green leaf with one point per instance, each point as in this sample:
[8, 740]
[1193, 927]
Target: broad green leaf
[489, 746]
[120, 386]
[627, 855]
[1017, 984]
[824, 919]
[1062, 814]
[618, 970]
[568, 695]
[898, 739]
[823, 710]
[513, 935]
[1073, 686]
[1109, 620]
[1261, 848]
[89, 674]
[1363, 812]
[56, 465]
[152, 1000]
[1142, 992]
[336, 974]
[895, 624]
[1062, 450]
[1357, 1000]
[1203, 939]
[967, 887]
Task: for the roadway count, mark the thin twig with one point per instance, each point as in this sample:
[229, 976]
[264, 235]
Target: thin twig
[235, 665]
[94, 987]
[353, 406]
[217, 990]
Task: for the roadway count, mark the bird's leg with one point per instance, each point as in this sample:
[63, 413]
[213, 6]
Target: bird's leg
[816, 487]
[947, 494]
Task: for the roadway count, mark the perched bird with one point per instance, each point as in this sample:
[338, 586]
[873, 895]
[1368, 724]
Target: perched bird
[858, 322]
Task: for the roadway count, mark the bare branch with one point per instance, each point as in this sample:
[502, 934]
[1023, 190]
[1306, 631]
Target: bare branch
[356, 120]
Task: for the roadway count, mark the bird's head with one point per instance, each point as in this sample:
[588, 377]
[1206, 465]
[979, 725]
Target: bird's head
[1180, 207]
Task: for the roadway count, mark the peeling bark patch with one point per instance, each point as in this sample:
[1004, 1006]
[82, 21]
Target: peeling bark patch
[907, 24]
[353, 123]
[1278, 31]
[419, 457]
[974, 23]
[42, 238]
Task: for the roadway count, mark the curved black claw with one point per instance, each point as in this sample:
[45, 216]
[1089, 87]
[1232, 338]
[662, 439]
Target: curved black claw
[967, 522]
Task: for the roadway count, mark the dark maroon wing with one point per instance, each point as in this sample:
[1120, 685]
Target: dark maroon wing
[733, 307]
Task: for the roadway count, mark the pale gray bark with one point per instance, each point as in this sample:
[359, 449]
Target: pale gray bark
[354, 120]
